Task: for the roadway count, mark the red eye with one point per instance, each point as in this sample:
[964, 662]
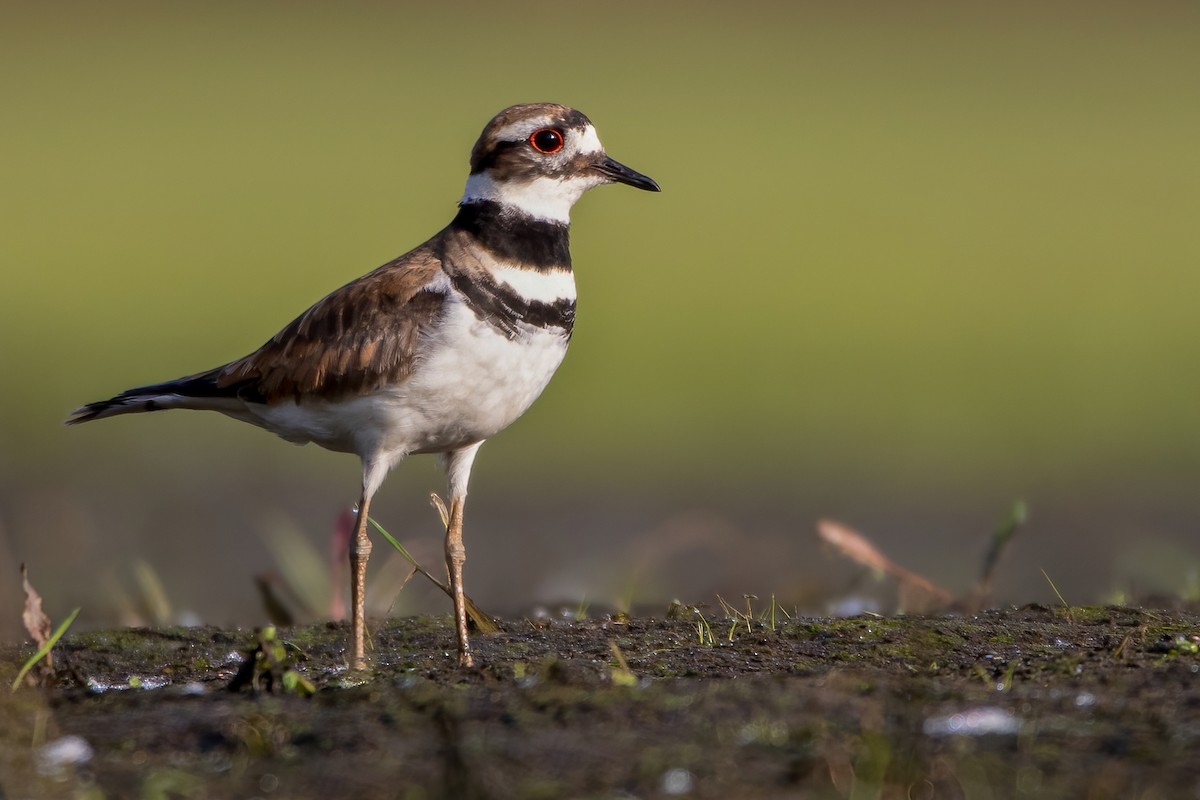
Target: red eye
[546, 140]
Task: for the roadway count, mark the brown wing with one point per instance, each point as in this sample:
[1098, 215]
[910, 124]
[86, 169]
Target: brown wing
[360, 337]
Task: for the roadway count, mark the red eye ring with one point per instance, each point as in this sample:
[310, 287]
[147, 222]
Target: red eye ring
[547, 140]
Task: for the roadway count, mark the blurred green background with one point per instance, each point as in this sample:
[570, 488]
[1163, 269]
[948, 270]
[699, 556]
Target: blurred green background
[911, 261]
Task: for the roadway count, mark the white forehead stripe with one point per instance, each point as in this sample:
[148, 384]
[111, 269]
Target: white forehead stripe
[589, 142]
[584, 141]
[524, 129]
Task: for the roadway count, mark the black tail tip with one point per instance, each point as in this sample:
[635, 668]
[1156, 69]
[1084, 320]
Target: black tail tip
[82, 414]
[88, 413]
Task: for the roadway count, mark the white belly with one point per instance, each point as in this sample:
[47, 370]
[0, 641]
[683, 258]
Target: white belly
[470, 382]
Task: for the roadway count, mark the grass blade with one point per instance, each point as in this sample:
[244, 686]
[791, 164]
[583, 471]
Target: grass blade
[44, 650]
[1061, 599]
[483, 621]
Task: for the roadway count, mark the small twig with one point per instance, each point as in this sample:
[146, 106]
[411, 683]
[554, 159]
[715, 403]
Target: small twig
[403, 583]
[1120, 651]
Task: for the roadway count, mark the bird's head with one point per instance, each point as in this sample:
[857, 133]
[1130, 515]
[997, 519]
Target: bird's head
[540, 158]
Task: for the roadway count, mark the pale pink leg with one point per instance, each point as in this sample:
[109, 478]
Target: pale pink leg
[456, 556]
[458, 473]
[360, 551]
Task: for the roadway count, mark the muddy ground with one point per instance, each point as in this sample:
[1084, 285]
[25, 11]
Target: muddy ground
[1038, 702]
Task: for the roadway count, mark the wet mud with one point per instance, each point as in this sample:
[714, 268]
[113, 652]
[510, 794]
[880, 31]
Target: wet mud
[1036, 701]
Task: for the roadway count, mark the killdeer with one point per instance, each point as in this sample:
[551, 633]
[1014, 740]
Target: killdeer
[436, 351]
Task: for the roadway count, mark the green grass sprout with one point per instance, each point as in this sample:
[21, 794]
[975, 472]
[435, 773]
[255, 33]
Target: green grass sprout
[621, 674]
[44, 650]
[1066, 606]
[482, 620]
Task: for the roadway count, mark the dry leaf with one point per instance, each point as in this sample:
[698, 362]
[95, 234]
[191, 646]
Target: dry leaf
[917, 593]
[36, 621]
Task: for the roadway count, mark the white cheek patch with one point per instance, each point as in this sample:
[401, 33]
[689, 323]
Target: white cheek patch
[541, 198]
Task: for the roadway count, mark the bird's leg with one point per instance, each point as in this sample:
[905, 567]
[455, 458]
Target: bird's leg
[458, 473]
[360, 551]
[456, 556]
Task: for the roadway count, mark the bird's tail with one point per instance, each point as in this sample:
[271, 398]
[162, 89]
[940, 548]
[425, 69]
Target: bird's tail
[199, 391]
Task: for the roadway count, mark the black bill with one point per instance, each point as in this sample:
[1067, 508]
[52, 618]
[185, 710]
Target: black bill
[615, 170]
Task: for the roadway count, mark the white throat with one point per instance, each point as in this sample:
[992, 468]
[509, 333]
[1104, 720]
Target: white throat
[541, 198]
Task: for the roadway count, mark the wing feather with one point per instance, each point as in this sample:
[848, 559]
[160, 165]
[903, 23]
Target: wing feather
[360, 337]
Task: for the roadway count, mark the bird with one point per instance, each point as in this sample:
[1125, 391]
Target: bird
[436, 351]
